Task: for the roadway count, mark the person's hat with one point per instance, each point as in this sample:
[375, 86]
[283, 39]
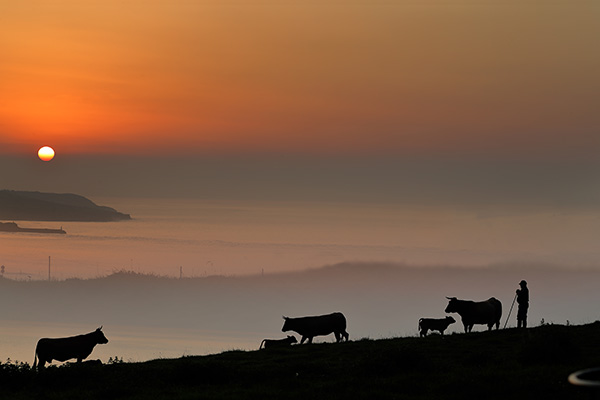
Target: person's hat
[523, 283]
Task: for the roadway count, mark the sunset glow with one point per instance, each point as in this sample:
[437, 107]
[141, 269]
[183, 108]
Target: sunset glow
[203, 77]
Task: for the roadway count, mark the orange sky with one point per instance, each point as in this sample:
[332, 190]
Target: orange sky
[183, 77]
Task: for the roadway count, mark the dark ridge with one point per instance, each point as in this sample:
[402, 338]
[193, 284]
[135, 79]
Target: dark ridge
[38, 206]
[507, 364]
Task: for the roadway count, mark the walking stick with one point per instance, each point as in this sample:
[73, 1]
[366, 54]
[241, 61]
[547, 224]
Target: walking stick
[511, 307]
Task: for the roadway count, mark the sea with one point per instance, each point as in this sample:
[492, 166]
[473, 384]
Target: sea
[194, 238]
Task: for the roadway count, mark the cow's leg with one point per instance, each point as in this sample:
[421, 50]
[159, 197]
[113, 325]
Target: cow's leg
[310, 339]
[346, 335]
[303, 339]
[338, 337]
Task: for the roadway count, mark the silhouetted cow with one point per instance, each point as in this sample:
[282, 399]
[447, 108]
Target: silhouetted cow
[486, 312]
[270, 343]
[434, 324]
[319, 325]
[63, 349]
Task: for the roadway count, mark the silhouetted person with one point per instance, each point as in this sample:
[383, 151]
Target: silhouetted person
[523, 301]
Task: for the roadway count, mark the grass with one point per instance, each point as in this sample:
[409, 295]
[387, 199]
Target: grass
[515, 364]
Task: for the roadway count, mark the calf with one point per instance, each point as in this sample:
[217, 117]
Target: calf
[270, 343]
[433, 324]
[63, 349]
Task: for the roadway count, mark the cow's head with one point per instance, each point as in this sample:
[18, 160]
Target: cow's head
[286, 325]
[292, 339]
[450, 320]
[452, 305]
[99, 336]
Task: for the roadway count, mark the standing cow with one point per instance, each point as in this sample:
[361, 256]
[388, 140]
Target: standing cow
[63, 349]
[486, 312]
[319, 325]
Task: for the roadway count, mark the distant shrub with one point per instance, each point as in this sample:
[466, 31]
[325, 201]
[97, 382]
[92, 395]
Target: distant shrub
[15, 373]
[115, 360]
[11, 365]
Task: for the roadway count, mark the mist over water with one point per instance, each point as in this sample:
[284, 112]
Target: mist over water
[147, 317]
[200, 238]
[245, 264]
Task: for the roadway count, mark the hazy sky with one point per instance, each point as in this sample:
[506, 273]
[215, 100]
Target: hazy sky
[422, 101]
[335, 77]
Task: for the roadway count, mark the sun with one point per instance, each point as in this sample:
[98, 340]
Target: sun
[46, 153]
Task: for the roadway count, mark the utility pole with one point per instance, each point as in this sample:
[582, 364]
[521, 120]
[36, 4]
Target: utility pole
[49, 268]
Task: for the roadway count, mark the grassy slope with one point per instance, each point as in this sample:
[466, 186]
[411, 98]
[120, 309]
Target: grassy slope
[502, 364]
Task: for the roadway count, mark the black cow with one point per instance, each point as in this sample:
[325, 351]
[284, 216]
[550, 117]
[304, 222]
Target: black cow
[486, 312]
[310, 327]
[270, 343]
[63, 349]
[434, 324]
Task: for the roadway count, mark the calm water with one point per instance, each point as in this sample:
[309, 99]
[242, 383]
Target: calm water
[199, 238]
[196, 238]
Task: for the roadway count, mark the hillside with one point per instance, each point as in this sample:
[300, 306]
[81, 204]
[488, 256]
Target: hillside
[511, 363]
[38, 206]
[148, 317]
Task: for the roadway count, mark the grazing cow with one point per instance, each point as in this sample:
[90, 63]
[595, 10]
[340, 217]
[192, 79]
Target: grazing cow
[434, 324]
[310, 327]
[486, 312]
[270, 343]
[63, 349]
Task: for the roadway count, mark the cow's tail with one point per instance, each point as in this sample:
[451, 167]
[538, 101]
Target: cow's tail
[499, 314]
[498, 311]
[420, 320]
[35, 358]
[261, 344]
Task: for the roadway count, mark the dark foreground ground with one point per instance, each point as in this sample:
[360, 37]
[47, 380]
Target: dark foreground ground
[505, 364]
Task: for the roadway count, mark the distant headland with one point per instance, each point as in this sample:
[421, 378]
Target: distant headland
[39, 206]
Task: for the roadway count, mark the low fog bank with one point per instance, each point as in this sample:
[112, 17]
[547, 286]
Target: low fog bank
[459, 180]
[379, 300]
